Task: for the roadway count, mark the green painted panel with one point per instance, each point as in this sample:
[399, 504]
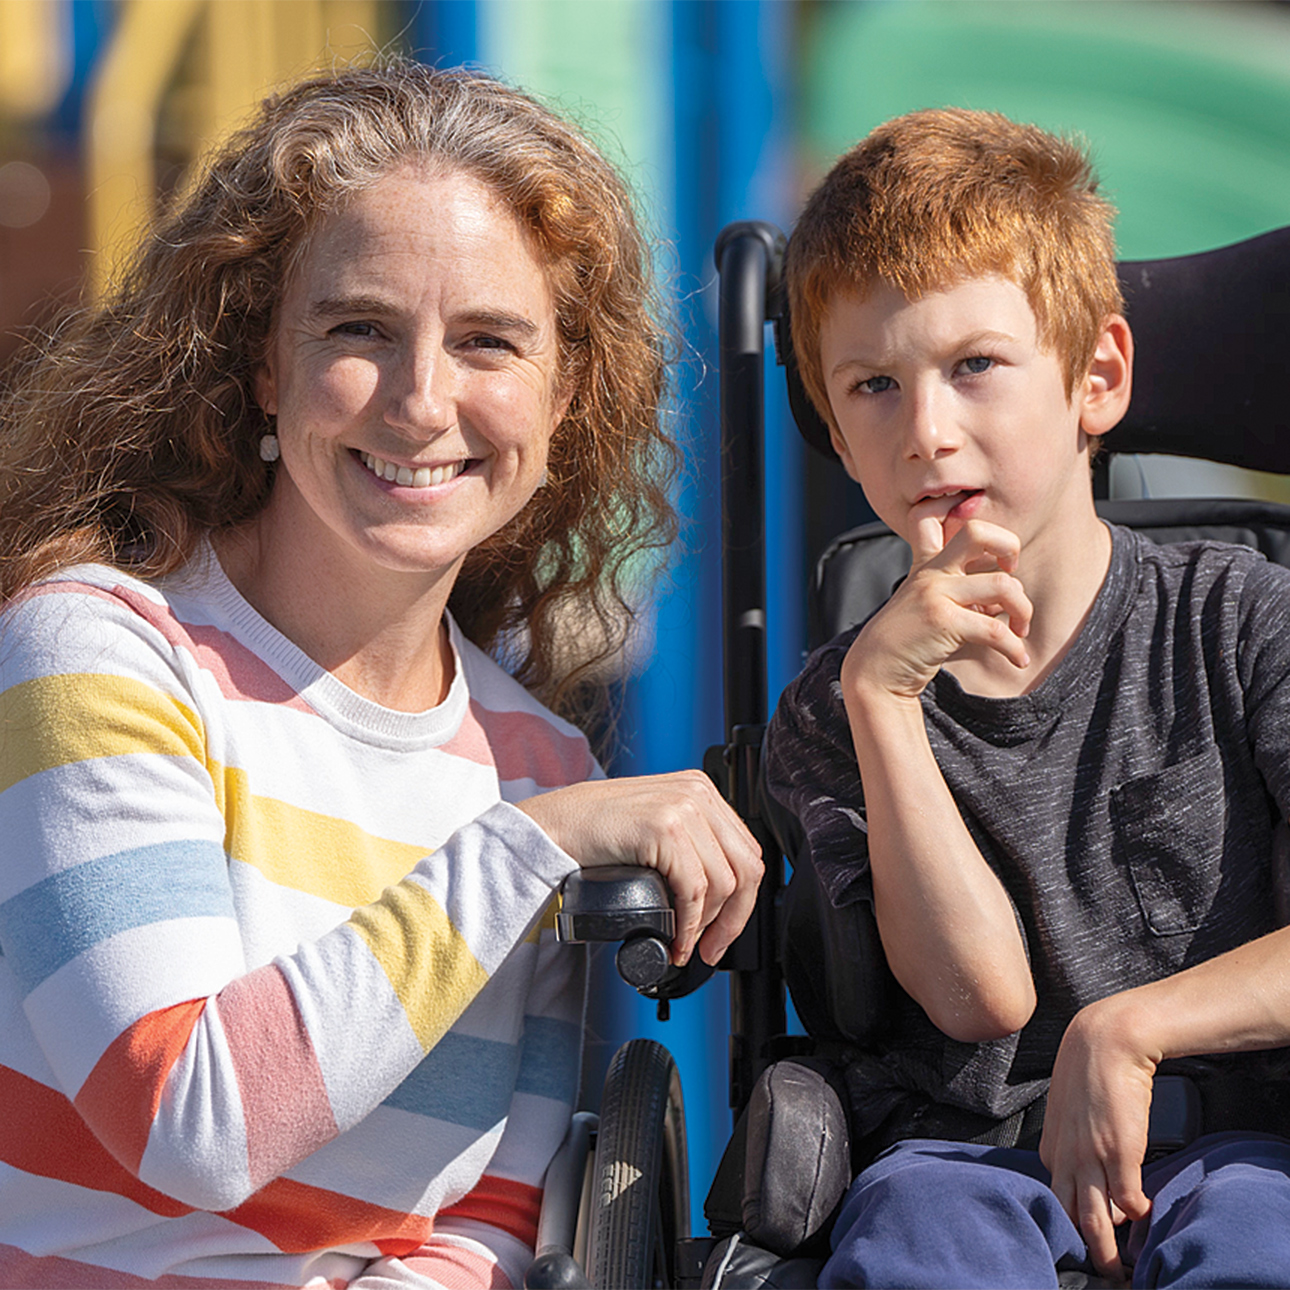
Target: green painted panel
[603, 62]
[1187, 107]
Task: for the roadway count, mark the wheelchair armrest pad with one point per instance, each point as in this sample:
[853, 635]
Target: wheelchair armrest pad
[798, 1157]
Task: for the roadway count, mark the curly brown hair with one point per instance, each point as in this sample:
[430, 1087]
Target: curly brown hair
[134, 430]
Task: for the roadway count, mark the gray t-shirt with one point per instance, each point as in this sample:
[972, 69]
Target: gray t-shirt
[1128, 805]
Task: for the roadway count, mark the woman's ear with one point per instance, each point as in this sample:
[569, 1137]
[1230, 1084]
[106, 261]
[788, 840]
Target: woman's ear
[1107, 386]
[264, 386]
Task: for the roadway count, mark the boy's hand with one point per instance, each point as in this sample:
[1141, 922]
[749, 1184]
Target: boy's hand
[961, 594]
[1095, 1130]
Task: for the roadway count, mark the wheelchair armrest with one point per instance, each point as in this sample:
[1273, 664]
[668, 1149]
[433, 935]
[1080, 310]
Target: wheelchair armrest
[555, 1268]
[789, 1164]
[630, 904]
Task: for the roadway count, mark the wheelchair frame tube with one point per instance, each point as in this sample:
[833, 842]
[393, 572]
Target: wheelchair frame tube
[749, 256]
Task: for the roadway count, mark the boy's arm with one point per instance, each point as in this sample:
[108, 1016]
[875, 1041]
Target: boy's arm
[1095, 1126]
[948, 928]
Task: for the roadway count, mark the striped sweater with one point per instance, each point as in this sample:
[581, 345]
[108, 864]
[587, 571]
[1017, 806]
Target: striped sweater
[278, 991]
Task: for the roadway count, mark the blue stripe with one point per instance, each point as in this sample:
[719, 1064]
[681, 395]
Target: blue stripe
[67, 913]
[550, 1059]
[462, 1080]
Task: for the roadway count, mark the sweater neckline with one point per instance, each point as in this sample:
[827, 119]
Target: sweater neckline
[344, 708]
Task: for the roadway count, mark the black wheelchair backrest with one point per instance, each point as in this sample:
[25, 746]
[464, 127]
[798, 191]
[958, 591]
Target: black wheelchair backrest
[1212, 341]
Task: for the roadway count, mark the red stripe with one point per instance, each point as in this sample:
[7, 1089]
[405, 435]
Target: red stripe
[121, 1096]
[238, 672]
[272, 1051]
[502, 1202]
[299, 1219]
[41, 1133]
[521, 745]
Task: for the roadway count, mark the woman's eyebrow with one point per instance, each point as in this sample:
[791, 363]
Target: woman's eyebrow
[351, 306]
[340, 306]
[500, 320]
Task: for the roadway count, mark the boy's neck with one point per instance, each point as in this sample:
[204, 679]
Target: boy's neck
[1062, 578]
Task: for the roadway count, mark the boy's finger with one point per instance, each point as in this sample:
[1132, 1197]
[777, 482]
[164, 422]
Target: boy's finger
[929, 539]
[1098, 1230]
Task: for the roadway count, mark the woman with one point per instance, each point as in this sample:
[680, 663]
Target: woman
[280, 1003]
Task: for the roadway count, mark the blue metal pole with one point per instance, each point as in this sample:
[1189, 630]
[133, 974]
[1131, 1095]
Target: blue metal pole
[444, 32]
[729, 77]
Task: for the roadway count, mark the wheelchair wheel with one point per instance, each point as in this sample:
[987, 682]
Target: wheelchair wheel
[640, 1185]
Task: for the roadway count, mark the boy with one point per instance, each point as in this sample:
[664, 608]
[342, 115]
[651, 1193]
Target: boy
[1050, 768]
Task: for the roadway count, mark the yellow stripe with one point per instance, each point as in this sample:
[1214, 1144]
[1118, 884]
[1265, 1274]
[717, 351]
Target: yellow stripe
[305, 850]
[55, 720]
[429, 964]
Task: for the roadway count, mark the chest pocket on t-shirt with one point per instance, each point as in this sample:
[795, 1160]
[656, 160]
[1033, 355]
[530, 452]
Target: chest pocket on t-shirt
[1169, 828]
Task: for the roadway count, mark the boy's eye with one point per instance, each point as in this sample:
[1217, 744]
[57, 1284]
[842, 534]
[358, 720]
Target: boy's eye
[875, 385]
[977, 364]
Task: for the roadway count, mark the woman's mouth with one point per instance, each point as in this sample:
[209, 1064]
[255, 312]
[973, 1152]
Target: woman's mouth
[407, 476]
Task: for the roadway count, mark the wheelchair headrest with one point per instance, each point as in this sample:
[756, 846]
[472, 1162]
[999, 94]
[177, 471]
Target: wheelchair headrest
[1212, 336]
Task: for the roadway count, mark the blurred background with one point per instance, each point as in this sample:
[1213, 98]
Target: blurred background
[716, 110]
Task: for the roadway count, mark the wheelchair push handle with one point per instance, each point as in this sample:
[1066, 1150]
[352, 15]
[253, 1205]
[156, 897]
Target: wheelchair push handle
[633, 905]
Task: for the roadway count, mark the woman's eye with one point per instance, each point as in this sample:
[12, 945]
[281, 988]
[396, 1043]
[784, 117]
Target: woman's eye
[356, 329]
[490, 342]
[977, 364]
[875, 385]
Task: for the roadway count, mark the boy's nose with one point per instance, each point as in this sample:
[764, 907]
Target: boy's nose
[929, 430]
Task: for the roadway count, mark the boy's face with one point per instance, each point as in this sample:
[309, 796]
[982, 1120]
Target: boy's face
[948, 409]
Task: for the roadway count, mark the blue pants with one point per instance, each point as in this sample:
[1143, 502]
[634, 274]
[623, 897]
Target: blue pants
[932, 1215]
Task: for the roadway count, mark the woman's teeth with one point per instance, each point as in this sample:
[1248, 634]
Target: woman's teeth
[406, 477]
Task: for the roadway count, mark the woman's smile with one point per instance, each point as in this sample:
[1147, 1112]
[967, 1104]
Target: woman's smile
[416, 477]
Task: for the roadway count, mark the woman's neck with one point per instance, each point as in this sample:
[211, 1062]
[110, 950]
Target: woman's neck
[383, 635]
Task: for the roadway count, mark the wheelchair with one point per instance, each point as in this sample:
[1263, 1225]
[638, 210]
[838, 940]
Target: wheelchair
[1212, 333]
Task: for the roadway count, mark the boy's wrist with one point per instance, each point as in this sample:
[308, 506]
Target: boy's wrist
[1123, 1023]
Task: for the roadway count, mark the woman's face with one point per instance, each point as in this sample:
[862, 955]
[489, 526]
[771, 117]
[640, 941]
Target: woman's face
[413, 374]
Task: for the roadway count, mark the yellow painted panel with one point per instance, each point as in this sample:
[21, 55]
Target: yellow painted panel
[34, 55]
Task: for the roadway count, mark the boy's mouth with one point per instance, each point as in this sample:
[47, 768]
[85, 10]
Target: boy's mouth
[947, 500]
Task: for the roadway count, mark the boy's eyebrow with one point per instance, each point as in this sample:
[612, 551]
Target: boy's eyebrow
[962, 345]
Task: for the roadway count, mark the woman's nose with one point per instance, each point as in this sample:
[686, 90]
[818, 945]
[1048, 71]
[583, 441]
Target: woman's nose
[424, 399]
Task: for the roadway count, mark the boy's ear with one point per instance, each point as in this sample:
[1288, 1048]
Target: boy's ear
[1106, 388]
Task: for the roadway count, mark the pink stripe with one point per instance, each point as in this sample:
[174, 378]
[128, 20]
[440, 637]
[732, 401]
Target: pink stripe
[284, 1099]
[238, 672]
[456, 1268]
[521, 745]
[22, 1271]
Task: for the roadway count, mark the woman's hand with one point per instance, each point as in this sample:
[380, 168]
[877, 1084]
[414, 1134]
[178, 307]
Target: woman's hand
[1095, 1128]
[678, 824]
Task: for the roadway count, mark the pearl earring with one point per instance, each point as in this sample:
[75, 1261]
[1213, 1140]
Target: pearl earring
[269, 450]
